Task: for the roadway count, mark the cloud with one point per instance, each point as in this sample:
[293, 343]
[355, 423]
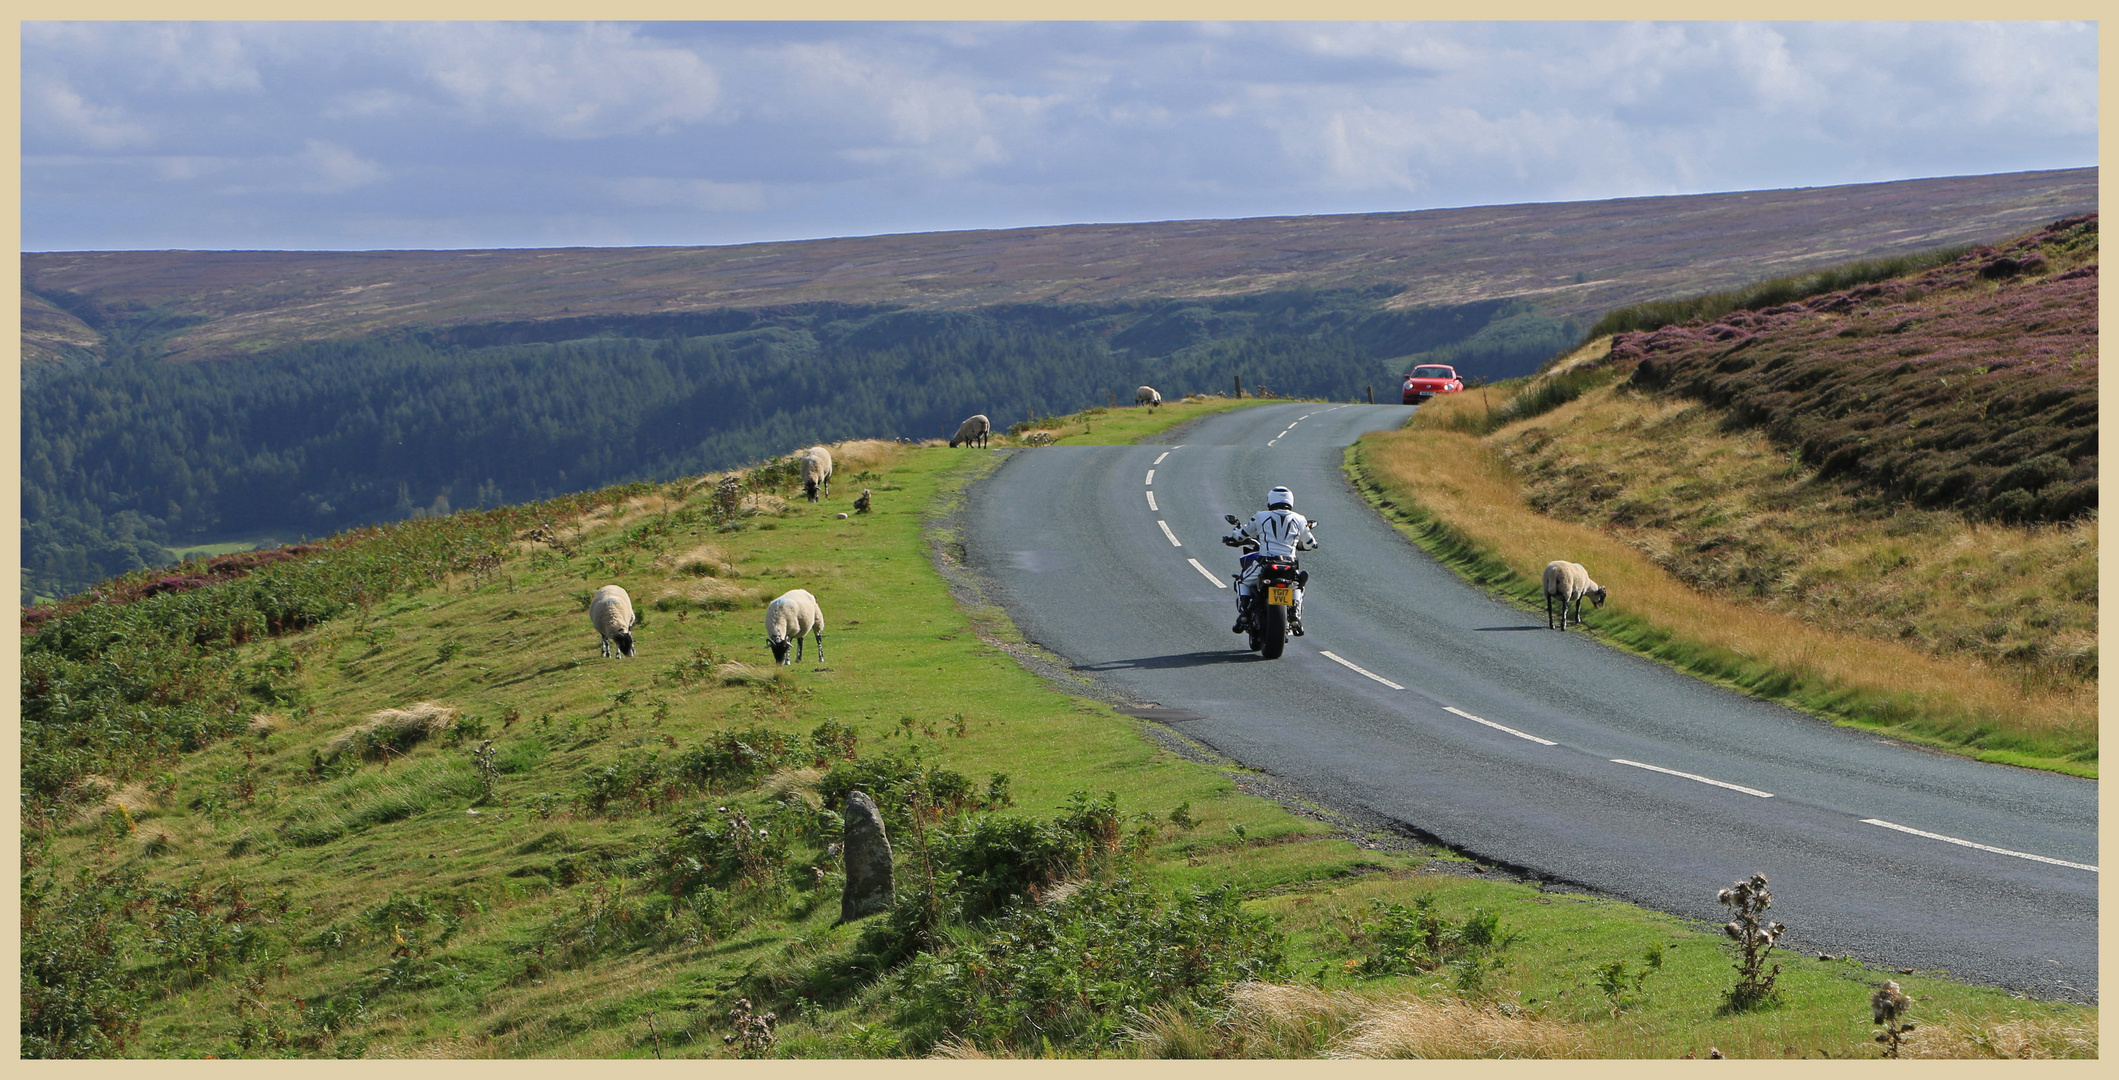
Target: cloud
[680, 193]
[56, 111]
[328, 168]
[572, 83]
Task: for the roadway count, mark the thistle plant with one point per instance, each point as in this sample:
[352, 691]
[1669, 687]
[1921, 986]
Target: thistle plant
[1754, 937]
[1888, 1006]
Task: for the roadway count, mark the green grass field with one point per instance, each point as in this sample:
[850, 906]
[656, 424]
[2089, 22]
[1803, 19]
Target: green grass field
[412, 902]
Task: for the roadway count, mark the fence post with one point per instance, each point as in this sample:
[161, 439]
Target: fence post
[1372, 395]
[1239, 386]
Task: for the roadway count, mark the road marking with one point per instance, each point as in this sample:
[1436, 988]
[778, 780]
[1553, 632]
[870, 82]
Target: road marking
[1151, 502]
[1159, 458]
[1502, 727]
[1692, 776]
[1276, 439]
[1151, 476]
[1210, 574]
[1168, 533]
[1357, 667]
[1982, 847]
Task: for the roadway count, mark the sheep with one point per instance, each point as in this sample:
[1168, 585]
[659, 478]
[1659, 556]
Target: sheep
[860, 505]
[1570, 582]
[611, 612]
[816, 472]
[973, 429]
[1148, 396]
[787, 618]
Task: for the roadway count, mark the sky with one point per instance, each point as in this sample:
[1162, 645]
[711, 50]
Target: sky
[350, 136]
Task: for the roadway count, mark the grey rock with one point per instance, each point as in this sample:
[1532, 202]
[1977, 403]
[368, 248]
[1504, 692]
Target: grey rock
[869, 888]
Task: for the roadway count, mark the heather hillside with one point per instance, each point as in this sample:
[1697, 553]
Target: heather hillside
[1972, 386]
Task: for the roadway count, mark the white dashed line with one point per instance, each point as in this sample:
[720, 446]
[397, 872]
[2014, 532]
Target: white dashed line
[1151, 502]
[1209, 573]
[1271, 441]
[1499, 727]
[1692, 776]
[1151, 476]
[1159, 458]
[1357, 667]
[1168, 533]
[1982, 847]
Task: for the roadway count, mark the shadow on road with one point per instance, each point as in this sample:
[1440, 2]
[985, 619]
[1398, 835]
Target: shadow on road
[1176, 660]
[1491, 629]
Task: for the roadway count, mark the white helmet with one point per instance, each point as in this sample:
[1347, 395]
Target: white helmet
[1280, 496]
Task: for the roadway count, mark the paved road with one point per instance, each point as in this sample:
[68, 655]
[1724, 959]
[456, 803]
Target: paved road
[1416, 697]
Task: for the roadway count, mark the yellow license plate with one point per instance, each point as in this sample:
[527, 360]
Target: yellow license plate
[1281, 595]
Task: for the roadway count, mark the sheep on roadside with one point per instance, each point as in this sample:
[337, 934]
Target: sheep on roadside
[787, 618]
[1570, 582]
[611, 612]
[816, 472]
[973, 429]
[1148, 396]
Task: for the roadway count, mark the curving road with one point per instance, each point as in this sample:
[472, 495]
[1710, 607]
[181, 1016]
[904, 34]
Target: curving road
[1416, 697]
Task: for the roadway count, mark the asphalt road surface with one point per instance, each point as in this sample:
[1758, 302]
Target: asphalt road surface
[1416, 697]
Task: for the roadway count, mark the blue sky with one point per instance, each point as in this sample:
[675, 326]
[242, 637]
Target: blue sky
[454, 135]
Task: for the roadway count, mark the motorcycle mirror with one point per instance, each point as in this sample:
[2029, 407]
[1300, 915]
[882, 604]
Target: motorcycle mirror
[1231, 519]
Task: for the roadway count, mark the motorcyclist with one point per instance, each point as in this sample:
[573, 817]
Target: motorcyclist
[1280, 532]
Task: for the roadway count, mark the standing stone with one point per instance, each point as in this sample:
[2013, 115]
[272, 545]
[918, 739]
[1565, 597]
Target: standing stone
[867, 853]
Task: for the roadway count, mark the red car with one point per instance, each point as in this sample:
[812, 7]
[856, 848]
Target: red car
[1427, 380]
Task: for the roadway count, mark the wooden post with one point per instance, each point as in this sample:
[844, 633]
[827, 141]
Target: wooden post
[1372, 395]
[1239, 386]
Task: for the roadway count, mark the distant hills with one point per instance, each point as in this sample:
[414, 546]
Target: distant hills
[182, 398]
[1567, 259]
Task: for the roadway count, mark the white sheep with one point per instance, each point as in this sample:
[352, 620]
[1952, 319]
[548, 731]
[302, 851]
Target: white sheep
[1147, 395]
[973, 429]
[611, 612]
[787, 618]
[1570, 582]
[816, 472]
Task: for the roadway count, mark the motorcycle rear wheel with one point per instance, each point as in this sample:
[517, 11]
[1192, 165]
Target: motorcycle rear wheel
[1272, 635]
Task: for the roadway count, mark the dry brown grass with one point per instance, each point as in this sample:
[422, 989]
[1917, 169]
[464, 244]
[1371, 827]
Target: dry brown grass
[1278, 1020]
[2018, 1039]
[411, 723]
[855, 455]
[1471, 486]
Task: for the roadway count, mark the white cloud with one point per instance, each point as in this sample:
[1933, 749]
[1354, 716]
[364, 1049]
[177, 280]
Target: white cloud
[55, 110]
[573, 83]
[327, 168]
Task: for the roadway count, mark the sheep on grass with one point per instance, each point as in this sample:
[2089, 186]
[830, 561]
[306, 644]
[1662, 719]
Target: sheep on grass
[1570, 583]
[816, 472]
[973, 429]
[611, 612]
[790, 615]
[1148, 396]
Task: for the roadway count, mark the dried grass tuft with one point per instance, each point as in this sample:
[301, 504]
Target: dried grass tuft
[2018, 1039]
[857, 454]
[1279, 1020]
[265, 724]
[394, 728]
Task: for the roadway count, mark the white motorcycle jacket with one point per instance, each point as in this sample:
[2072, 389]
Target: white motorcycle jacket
[1280, 533]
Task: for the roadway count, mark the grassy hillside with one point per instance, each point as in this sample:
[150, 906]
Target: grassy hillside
[382, 798]
[1877, 503]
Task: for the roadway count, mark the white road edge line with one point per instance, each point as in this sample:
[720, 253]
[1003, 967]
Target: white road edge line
[1151, 502]
[1151, 477]
[1168, 533]
[1982, 847]
[1335, 657]
[1694, 776]
[1209, 573]
[1159, 458]
[1501, 727]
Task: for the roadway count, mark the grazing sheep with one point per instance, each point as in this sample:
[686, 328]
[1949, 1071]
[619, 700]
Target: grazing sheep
[816, 472]
[1570, 583]
[973, 429]
[790, 616]
[1148, 396]
[860, 505]
[611, 612]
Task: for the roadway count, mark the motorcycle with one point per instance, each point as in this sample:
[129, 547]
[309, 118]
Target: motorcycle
[1266, 610]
